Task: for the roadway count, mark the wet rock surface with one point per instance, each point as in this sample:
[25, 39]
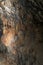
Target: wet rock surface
[21, 32]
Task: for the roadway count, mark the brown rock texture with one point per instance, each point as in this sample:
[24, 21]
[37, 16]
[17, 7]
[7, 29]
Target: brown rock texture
[21, 32]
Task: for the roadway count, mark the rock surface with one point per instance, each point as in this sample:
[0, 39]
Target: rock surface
[21, 32]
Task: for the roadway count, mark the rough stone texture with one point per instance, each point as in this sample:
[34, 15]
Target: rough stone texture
[21, 32]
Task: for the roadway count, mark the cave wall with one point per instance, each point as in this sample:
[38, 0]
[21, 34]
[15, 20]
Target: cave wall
[21, 32]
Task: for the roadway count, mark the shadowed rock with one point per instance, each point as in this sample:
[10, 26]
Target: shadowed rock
[21, 40]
